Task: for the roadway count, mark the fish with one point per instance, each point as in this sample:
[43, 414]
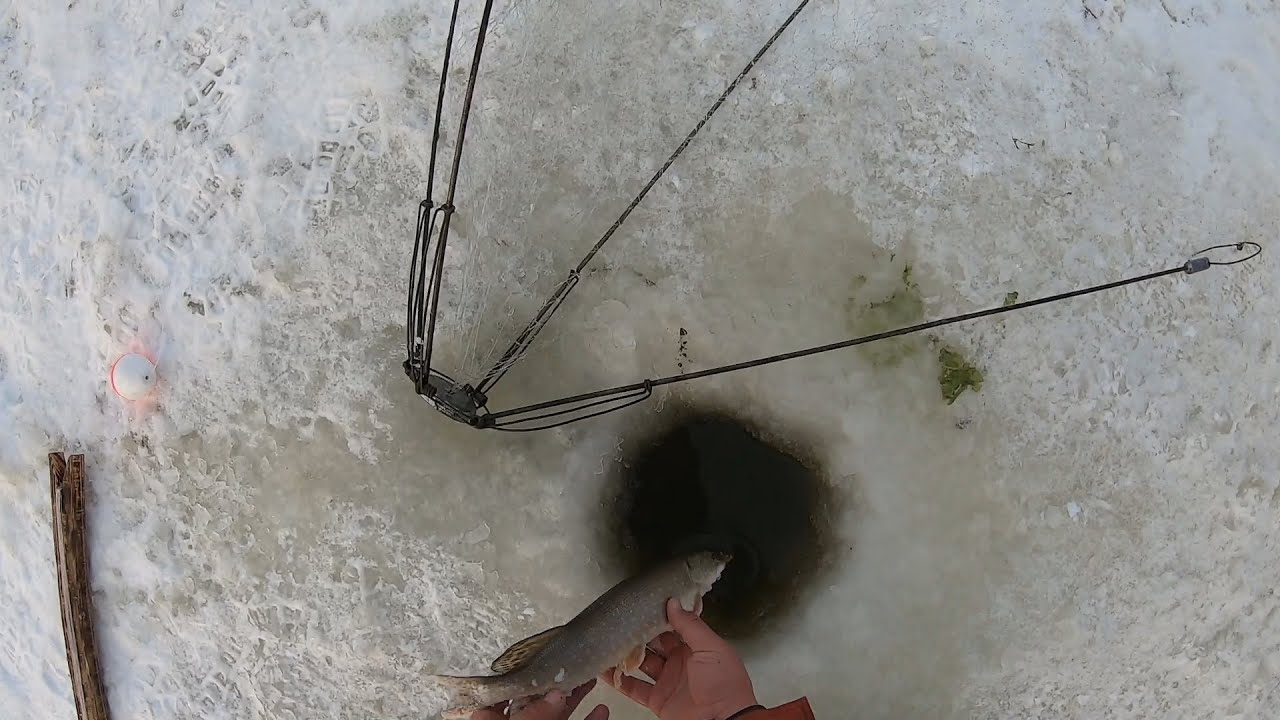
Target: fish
[610, 633]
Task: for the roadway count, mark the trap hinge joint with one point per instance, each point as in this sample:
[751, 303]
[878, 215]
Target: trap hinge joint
[458, 401]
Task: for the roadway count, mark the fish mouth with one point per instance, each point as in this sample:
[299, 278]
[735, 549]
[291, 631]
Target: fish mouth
[717, 546]
[740, 566]
[724, 557]
[706, 556]
[723, 549]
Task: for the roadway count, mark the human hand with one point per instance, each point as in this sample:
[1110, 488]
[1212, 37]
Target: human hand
[696, 674]
[552, 706]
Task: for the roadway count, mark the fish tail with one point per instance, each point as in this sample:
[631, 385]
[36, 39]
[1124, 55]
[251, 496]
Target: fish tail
[464, 692]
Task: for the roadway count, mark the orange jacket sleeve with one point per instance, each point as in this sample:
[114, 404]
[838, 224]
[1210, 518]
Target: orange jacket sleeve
[794, 710]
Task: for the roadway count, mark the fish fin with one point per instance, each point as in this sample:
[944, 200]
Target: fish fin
[691, 602]
[633, 660]
[519, 655]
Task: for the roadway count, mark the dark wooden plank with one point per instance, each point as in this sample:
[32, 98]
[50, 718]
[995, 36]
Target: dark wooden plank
[71, 552]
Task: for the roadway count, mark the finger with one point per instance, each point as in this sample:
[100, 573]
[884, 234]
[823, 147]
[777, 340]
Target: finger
[652, 664]
[548, 707]
[674, 676]
[600, 713]
[577, 696]
[634, 688]
[666, 643]
[690, 628]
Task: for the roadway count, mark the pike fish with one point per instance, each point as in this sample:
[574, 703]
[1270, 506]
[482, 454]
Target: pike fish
[611, 632]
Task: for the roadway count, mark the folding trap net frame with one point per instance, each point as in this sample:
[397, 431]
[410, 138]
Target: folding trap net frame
[468, 404]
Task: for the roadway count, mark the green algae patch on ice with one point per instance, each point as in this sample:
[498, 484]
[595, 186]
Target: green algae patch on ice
[883, 302]
[956, 374]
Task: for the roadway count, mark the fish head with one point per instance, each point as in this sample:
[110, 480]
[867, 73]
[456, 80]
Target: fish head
[704, 568]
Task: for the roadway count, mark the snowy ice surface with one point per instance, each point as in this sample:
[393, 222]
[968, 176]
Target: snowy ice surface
[286, 531]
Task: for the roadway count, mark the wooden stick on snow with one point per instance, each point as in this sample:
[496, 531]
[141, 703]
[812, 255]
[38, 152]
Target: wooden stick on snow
[70, 546]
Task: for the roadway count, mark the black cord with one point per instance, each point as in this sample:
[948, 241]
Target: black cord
[637, 392]
[539, 321]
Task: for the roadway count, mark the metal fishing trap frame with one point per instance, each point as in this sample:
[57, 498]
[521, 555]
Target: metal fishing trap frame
[468, 404]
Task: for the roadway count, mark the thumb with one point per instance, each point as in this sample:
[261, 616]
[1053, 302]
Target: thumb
[695, 633]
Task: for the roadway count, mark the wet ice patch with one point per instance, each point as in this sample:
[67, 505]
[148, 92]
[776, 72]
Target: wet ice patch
[296, 605]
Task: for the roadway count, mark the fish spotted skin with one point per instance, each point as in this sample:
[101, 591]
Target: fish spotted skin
[627, 616]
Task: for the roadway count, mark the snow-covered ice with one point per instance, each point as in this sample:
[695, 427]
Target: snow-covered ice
[284, 530]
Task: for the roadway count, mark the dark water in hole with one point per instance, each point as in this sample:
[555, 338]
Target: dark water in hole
[709, 483]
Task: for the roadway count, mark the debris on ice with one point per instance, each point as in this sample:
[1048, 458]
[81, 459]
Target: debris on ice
[477, 535]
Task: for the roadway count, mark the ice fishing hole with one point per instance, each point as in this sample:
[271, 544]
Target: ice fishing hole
[708, 481]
